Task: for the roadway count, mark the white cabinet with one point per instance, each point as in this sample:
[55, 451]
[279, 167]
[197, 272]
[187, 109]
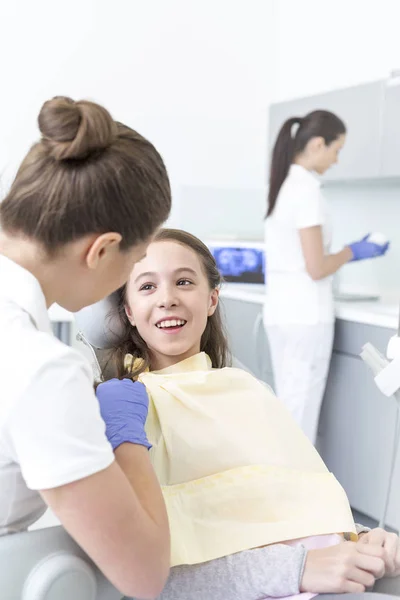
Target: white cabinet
[356, 434]
[361, 108]
[356, 428]
[390, 160]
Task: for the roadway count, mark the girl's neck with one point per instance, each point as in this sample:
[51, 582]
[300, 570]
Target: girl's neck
[159, 361]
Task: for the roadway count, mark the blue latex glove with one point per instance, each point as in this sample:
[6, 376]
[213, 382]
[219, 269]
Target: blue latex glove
[364, 249]
[124, 405]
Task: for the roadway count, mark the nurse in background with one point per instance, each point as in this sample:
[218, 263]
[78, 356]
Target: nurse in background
[299, 304]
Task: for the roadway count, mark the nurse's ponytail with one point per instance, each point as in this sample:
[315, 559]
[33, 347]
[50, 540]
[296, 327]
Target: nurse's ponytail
[289, 143]
[282, 157]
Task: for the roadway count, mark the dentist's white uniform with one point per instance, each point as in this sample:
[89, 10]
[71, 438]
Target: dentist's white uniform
[51, 431]
[298, 312]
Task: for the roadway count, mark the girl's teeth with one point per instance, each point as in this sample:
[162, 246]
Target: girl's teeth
[170, 323]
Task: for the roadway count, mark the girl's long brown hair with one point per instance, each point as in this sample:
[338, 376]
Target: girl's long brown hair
[213, 340]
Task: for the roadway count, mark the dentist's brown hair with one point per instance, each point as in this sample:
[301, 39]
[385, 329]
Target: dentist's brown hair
[87, 174]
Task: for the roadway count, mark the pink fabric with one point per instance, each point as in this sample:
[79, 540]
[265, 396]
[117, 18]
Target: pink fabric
[312, 543]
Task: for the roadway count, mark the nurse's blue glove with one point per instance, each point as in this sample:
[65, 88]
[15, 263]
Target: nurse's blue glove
[364, 249]
[124, 405]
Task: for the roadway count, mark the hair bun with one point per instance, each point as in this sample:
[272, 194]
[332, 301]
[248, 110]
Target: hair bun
[74, 130]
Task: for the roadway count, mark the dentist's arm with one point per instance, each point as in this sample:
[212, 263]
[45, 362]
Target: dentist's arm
[117, 517]
[124, 407]
[120, 521]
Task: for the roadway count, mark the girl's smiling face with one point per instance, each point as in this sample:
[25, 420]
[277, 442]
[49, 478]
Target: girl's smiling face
[169, 301]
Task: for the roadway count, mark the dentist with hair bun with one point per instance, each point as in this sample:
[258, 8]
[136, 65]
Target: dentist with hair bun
[84, 205]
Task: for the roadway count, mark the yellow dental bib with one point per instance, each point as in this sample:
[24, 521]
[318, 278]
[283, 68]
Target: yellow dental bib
[235, 469]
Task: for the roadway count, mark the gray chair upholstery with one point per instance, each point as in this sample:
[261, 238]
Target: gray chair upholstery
[239, 365]
[46, 564]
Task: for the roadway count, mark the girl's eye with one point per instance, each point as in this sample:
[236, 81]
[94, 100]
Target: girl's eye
[182, 282]
[146, 287]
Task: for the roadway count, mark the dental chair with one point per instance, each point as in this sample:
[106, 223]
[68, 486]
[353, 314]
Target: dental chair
[47, 564]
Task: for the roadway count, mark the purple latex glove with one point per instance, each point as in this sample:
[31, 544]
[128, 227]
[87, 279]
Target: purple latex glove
[124, 405]
[364, 249]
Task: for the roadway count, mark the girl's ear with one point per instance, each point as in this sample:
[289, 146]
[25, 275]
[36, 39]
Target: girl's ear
[214, 299]
[129, 314]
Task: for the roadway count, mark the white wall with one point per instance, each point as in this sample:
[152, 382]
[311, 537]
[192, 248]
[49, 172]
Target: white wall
[357, 210]
[319, 46]
[192, 76]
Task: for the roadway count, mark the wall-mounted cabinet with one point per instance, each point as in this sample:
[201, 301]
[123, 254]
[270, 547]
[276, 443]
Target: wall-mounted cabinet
[390, 159]
[371, 113]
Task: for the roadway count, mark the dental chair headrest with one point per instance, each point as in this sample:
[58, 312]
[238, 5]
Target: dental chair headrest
[100, 323]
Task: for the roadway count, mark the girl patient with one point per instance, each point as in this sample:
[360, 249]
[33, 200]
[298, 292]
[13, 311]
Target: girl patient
[253, 510]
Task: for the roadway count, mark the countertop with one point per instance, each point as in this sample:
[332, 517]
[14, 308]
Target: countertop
[382, 313]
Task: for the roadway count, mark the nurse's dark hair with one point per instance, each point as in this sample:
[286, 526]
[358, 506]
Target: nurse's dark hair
[319, 123]
[88, 174]
[213, 341]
